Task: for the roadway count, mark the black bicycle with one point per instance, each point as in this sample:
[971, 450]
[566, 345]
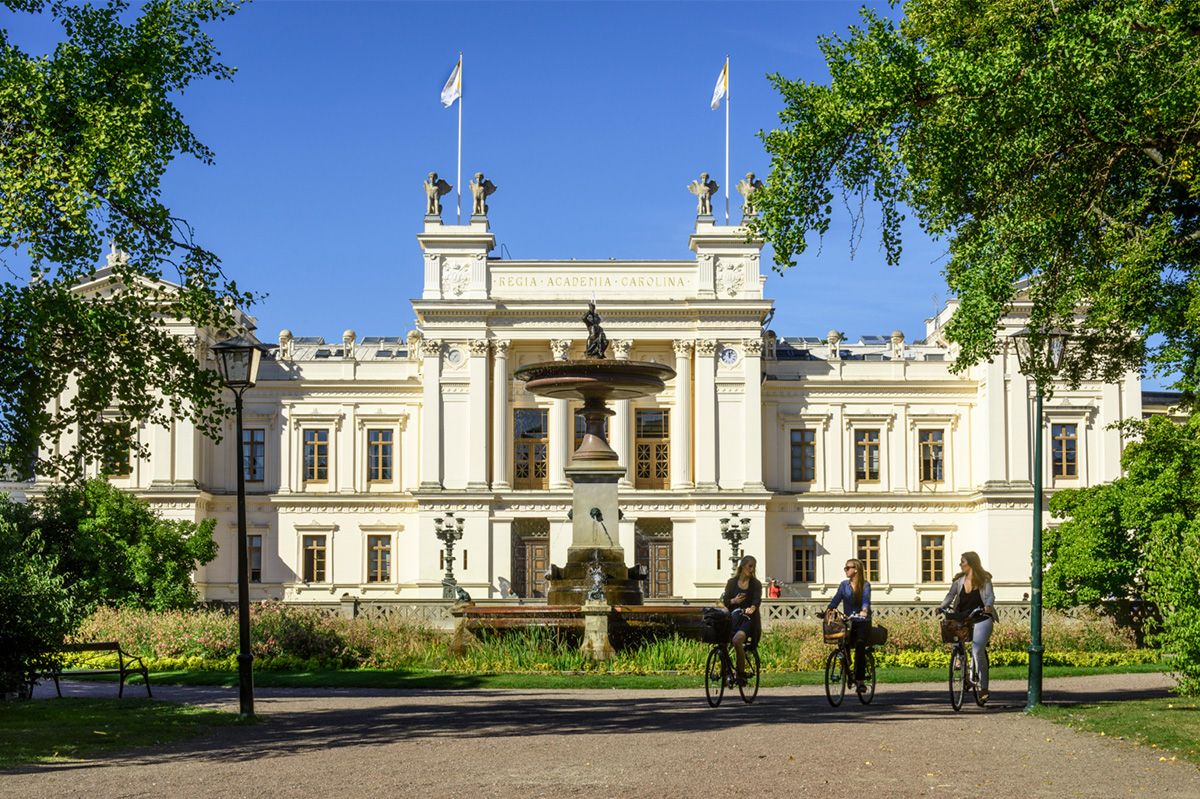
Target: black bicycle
[838, 674]
[720, 673]
[958, 629]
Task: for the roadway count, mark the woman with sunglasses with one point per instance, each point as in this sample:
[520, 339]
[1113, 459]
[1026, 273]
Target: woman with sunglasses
[855, 595]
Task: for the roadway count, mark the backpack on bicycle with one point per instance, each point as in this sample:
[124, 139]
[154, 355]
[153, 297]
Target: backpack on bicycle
[716, 626]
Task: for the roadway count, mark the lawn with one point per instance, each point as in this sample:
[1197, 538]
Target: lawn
[64, 730]
[1171, 725]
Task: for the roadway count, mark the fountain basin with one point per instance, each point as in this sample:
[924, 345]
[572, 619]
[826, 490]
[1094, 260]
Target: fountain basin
[594, 378]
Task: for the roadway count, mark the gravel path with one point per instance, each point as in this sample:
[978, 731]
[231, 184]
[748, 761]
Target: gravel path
[616, 743]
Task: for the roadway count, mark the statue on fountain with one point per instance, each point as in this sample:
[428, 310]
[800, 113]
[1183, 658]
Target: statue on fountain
[598, 580]
[597, 342]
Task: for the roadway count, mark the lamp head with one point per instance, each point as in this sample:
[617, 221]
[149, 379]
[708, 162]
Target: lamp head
[238, 360]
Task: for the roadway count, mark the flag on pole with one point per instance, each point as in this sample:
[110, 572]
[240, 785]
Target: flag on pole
[719, 91]
[453, 88]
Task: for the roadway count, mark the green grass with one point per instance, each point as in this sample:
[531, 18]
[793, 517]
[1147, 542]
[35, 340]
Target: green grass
[1169, 725]
[64, 730]
[434, 680]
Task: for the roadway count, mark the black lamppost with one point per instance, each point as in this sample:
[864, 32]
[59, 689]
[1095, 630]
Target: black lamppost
[238, 360]
[449, 533]
[1040, 358]
[735, 531]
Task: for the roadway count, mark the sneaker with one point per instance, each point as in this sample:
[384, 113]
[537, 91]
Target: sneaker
[861, 688]
[983, 697]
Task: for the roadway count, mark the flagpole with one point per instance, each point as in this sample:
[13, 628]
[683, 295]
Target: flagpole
[458, 177]
[726, 140]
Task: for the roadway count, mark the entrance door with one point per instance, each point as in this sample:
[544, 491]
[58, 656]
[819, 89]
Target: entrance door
[654, 552]
[531, 557]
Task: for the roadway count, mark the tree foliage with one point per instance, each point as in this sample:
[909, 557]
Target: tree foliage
[1138, 537]
[1054, 141]
[86, 134]
[113, 548]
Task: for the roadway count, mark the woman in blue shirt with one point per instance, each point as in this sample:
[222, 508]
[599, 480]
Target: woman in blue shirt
[855, 595]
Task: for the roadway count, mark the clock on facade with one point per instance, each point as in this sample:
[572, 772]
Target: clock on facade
[454, 357]
[729, 356]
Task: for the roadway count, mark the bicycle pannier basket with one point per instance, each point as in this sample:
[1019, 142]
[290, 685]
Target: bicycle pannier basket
[955, 630]
[879, 635]
[834, 628]
[715, 626]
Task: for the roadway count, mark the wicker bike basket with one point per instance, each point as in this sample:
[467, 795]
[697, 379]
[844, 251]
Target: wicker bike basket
[955, 630]
[834, 628]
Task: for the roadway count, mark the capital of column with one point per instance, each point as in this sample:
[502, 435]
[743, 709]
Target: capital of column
[478, 347]
[621, 348]
[560, 348]
[501, 347]
[431, 347]
[706, 346]
[753, 346]
[683, 348]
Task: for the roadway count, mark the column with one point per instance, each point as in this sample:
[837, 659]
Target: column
[561, 427]
[993, 440]
[706, 415]
[618, 425]
[477, 414]
[681, 425]
[898, 440]
[162, 455]
[431, 415]
[501, 437]
[752, 411]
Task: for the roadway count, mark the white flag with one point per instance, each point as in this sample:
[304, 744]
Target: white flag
[722, 87]
[453, 88]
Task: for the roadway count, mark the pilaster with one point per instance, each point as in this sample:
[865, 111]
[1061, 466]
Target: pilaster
[753, 413]
[681, 428]
[706, 414]
[477, 414]
[501, 436]
[431, 415]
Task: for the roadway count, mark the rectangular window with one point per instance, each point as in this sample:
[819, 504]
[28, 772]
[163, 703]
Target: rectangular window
[653, 448]
[804, 456]
[254, 557]
[932, 463]
[379, 456]
[253, 450]
[379, 558]
[531, 446]
[316, 456]
[804, 559]
[115, 460]
[314, 558]
[933, 559]
[868, 553]
[866, 456]
[1064, 450]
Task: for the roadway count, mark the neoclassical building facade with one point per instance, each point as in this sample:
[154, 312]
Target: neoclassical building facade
[355, 450]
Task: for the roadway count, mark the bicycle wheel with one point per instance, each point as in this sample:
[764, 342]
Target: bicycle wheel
[714, 677]
[868, 679]
[749, 688]
[975, 687]
[958, 676]
[835, 677]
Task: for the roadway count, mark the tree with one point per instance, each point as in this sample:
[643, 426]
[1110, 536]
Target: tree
[1054, 141]
[86, 134]
[113, 548]
[1145, 527]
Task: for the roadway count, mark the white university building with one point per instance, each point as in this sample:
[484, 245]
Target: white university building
[827, 448]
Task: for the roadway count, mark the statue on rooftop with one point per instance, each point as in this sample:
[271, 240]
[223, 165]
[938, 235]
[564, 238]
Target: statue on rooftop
[480, 190]
[597, 342]
[748, 188]
[704, 189]
[434, 189]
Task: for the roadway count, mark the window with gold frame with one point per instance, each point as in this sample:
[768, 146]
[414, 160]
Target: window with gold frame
[866, 456]
[804, 559]
[933, 463]
[314, 559]
[254, 557]
[316, 456]
[1064, 450]
[933, 559]
[115, 462]
[379, 558]
[531, 447]
[652, 448]
[379, 456]
[804, 455]
[868, 553]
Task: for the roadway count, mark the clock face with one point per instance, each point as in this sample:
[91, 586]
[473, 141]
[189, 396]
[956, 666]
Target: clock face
[454, 357]
[729, 356]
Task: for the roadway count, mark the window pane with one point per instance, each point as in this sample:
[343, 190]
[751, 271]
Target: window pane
[804, 456]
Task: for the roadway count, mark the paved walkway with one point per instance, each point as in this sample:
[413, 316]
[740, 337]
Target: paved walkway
[617, 743]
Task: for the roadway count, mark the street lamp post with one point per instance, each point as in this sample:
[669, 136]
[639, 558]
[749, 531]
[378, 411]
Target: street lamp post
[449, 533]
[238, 360]
[735, 531]
[1040, 359]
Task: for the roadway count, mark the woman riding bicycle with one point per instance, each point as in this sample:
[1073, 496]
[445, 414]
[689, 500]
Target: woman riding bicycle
[971, 591]
[744, 592]
[855, 595]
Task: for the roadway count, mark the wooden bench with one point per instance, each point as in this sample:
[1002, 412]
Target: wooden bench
[126, 664]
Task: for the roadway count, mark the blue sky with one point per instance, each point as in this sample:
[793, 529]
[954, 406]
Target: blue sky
[591, 118]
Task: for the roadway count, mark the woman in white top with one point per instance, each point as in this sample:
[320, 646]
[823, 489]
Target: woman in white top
[972, 589]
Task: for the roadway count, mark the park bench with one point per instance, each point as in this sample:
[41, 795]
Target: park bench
[126, 664]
